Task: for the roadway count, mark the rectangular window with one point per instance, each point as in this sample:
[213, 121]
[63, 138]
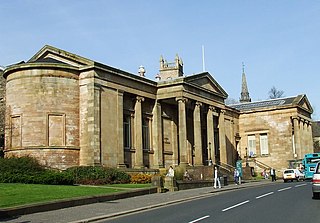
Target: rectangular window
[127, 131]
[264, 144]
[146, 134]
[252, 145]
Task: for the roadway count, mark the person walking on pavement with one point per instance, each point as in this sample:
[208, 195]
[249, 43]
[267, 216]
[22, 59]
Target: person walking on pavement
[170, 172]
[273, 174]
[216, 178]
[236, 176]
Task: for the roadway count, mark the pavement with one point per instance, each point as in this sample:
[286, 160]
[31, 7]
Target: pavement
[125, 203]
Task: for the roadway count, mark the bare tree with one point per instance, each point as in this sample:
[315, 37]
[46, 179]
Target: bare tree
[275, 93]
[230, 101]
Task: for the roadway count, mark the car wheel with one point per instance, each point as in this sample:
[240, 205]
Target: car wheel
[315, 195]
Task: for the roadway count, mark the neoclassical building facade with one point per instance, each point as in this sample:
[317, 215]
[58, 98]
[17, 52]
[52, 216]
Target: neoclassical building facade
[67, 110]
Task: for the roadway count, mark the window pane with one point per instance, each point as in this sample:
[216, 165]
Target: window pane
[264, 144]
[146, 134]
[126, 131]
[252, 145]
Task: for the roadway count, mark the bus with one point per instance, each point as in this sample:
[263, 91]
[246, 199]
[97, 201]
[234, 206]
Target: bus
[309, 163]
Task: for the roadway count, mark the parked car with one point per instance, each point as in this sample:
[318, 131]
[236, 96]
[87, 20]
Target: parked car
[292, 174]
[316, 181]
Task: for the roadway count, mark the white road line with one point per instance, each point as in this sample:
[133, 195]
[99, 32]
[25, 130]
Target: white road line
[199, 219]
[226, 209]
[287, 188]
[264, 195]
[300, 185]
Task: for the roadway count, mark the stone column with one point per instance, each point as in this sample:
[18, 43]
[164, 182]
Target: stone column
[222, 137]
[210, 134]
[157, 136]
[182, 130]
[304, 142]
[197, 134]
[297, 141]
[138, 133]
[120, 149]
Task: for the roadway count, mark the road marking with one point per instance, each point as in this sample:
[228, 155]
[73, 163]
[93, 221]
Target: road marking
[199, 219]
[300, 185]
[287, 188]
[226, 209]
[264, 195]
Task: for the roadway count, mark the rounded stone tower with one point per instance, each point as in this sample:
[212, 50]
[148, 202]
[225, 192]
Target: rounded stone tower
[42, 112]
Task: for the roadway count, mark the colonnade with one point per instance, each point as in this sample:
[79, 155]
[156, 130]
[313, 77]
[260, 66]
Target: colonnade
[302, 133]
[186, 155]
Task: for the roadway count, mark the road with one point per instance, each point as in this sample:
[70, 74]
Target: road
[280, 202]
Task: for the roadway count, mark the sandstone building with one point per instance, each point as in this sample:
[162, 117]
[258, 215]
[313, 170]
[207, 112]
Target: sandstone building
[67, 110]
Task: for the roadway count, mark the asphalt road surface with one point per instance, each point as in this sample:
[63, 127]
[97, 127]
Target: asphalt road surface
[281, 202]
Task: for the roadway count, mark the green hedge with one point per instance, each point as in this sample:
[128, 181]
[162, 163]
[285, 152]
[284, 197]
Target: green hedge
[28, 170]
[97, 175]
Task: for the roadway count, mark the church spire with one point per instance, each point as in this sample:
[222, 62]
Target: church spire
[244, 88]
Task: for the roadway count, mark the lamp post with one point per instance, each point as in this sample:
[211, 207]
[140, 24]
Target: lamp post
[247, 164]
[210, 159]
[295, 160]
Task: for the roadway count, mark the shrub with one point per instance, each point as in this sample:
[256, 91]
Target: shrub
[97, 175]
[28, 170]
[20, 165]
[140, 178]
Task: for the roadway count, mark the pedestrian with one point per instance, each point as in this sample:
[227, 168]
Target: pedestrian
[273, 174]
[236, 176]
[186, 175]
[265, 174]
[170, 172]
[216, 178]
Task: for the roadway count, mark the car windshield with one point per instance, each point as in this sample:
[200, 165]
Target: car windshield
[288, 171]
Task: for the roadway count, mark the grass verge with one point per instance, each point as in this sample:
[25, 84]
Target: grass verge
[12, 195]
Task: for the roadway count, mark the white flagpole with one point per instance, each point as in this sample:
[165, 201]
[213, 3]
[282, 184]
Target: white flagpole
[203, 64]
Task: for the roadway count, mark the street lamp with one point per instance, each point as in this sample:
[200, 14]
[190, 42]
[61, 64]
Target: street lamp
[247, 164]
[210, 159]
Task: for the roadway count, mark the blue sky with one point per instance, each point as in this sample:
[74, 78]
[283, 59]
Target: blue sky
[278, 40]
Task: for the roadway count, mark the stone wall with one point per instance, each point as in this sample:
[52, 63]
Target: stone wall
[277, 125]
[42, 115]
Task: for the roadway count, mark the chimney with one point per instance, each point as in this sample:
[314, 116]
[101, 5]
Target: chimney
[142, 71]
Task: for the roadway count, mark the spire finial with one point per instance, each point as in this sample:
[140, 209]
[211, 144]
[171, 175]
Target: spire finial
[244, 88]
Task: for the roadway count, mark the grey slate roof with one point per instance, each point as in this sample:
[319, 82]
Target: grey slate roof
[264, 104]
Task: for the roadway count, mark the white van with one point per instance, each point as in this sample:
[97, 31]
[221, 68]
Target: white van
[316, 182]
[292, 174]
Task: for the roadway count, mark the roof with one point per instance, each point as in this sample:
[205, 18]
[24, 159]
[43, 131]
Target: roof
[316, 129]
[300, 100]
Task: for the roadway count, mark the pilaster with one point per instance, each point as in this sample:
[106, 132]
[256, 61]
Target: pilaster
[120, 149]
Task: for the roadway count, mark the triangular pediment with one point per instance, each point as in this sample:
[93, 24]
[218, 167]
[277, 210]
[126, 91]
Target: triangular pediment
[207, 82]
[304, 103]
[54, 55]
